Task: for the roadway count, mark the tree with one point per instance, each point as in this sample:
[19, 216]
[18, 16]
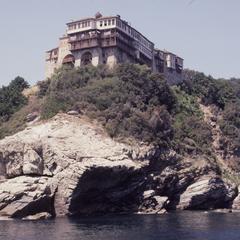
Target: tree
[11, 98]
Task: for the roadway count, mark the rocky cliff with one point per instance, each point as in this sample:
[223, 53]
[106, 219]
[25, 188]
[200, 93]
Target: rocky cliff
[70, 166]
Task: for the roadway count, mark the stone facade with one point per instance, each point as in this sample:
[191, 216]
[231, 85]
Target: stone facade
[110, 40]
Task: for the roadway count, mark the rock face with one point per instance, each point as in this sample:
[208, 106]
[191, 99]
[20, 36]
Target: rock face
[22, 196]
[153, 204]
[236, 202]
[69, 166]
[209, 192]
[66, 166]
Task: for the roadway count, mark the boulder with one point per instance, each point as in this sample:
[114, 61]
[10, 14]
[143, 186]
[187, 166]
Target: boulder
[32, 116]
[11, 158]
[148, 194]
[39, 216]
[209, 192]
[153, 204]
[236, 202]
[73, 113]
[22, 196]
[160, 201]
[32, 163]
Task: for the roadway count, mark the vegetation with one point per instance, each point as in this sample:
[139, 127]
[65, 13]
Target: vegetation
[11, 98]
[230, 126]
[11, 101]
[128, 101]
[223, 93]
[211, 91]
[131, 101]
[192, 134]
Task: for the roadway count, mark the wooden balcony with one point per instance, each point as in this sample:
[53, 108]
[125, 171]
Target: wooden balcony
[112, 35]
[81, 38]
[83, 44]
[108, 42]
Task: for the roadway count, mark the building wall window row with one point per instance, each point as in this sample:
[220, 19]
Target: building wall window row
[100, 35]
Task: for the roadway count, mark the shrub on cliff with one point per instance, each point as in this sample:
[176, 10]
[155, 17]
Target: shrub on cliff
[11, 98]
[210, 90]
[230, 126]
[191, 133]
[225, 94]
[129, 100]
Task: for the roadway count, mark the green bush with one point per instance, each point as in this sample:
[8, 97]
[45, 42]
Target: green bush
[225, 94]
[211, 91]
[191, 133]
[130, 101]
[230, 126]
[18, 120]
[11, 98]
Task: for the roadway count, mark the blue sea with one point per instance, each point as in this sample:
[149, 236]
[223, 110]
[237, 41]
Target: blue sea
[172, 226]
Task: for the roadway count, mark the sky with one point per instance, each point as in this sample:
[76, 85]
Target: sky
[206, 33]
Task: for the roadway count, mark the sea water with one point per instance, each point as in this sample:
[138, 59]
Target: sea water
[172, 226]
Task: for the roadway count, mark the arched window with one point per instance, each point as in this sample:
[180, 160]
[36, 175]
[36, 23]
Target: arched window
[69, 60]
[86, 58]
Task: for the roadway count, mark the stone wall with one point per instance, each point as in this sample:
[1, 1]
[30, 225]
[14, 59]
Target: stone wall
[50, 67]
[173, 77]
[64, 50]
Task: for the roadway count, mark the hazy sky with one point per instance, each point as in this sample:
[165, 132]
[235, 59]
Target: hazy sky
[206, 33]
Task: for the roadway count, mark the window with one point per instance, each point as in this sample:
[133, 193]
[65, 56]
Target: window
[101, 23]
[109, 22]
[113, 21]
[86, 58]
[105, 23]
[88, 23]
[74, 26]
[79, 25]
[118, 23]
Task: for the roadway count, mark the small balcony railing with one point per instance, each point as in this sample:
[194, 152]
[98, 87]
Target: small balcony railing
[83, 44]
[85, 37]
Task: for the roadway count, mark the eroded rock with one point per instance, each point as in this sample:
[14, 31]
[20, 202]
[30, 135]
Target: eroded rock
[68, 166]
[236, 202]
[22, 196]
[39, 216]
[209, 192]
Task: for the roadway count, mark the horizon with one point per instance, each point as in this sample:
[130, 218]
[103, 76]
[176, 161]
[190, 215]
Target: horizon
[204, 33]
